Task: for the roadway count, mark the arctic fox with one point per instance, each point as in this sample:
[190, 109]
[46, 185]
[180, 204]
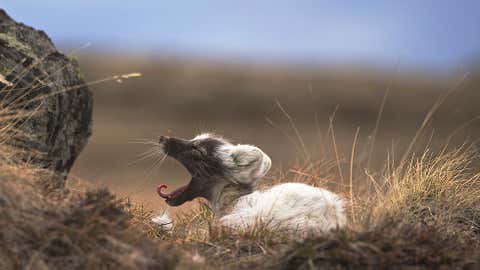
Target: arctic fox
[225, 174]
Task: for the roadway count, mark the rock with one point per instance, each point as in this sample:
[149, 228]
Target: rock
[46, 91]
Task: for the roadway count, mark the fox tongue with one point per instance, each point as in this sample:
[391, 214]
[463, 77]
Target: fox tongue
[172, 195]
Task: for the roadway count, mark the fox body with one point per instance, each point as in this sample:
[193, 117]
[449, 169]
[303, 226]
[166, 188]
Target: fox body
[225, 174]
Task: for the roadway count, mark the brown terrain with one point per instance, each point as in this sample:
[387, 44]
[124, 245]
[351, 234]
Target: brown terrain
[249, 103]
[399, 145]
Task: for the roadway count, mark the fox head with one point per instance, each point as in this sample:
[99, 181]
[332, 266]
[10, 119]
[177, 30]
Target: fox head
[212, 162]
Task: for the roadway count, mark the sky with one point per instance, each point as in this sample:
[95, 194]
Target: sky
[437, 34]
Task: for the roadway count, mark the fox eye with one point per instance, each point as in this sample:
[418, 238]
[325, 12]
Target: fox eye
[196, 153]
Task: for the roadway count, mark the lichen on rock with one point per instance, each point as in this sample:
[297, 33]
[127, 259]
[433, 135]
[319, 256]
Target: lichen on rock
[44, 81]
[11, 41]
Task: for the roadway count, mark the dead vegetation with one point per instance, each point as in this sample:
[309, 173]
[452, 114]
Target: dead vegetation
[78, 230]
[423, 213]
[391, 244]
[46, 226]
[419, 212]
[425, 216]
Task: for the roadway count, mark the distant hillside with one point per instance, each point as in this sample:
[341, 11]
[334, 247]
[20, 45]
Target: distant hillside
[191, 86]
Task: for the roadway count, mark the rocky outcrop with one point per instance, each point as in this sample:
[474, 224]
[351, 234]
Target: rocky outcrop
[46, 91]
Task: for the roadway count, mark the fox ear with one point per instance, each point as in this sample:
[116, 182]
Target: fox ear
[247, 163]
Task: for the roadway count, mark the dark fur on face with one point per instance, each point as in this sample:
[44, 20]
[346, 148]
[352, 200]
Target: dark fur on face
[197, 156]
[215, 166]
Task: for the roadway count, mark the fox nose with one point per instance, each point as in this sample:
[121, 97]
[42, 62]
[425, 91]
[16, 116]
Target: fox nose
[173, 146]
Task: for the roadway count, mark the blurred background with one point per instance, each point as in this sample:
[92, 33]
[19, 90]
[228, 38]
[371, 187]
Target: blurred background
[249, 69]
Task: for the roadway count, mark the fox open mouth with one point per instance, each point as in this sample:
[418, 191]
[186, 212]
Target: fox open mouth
[183, 151]
[172, 195]
[179, 195]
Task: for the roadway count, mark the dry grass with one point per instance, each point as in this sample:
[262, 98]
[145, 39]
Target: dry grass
[424, 216]
[390, 244]
[420, 214]
[423, 213]
[44, 227]
[71, 230]
[435, 189]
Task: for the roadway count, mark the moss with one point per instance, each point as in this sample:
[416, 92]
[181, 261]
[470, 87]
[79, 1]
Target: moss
[13, 42]
[4, 70]
[7, 66]
[76, 66]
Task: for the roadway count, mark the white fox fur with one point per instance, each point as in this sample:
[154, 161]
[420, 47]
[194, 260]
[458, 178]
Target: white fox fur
[292, 206]
[163, 221]
[245, 163]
